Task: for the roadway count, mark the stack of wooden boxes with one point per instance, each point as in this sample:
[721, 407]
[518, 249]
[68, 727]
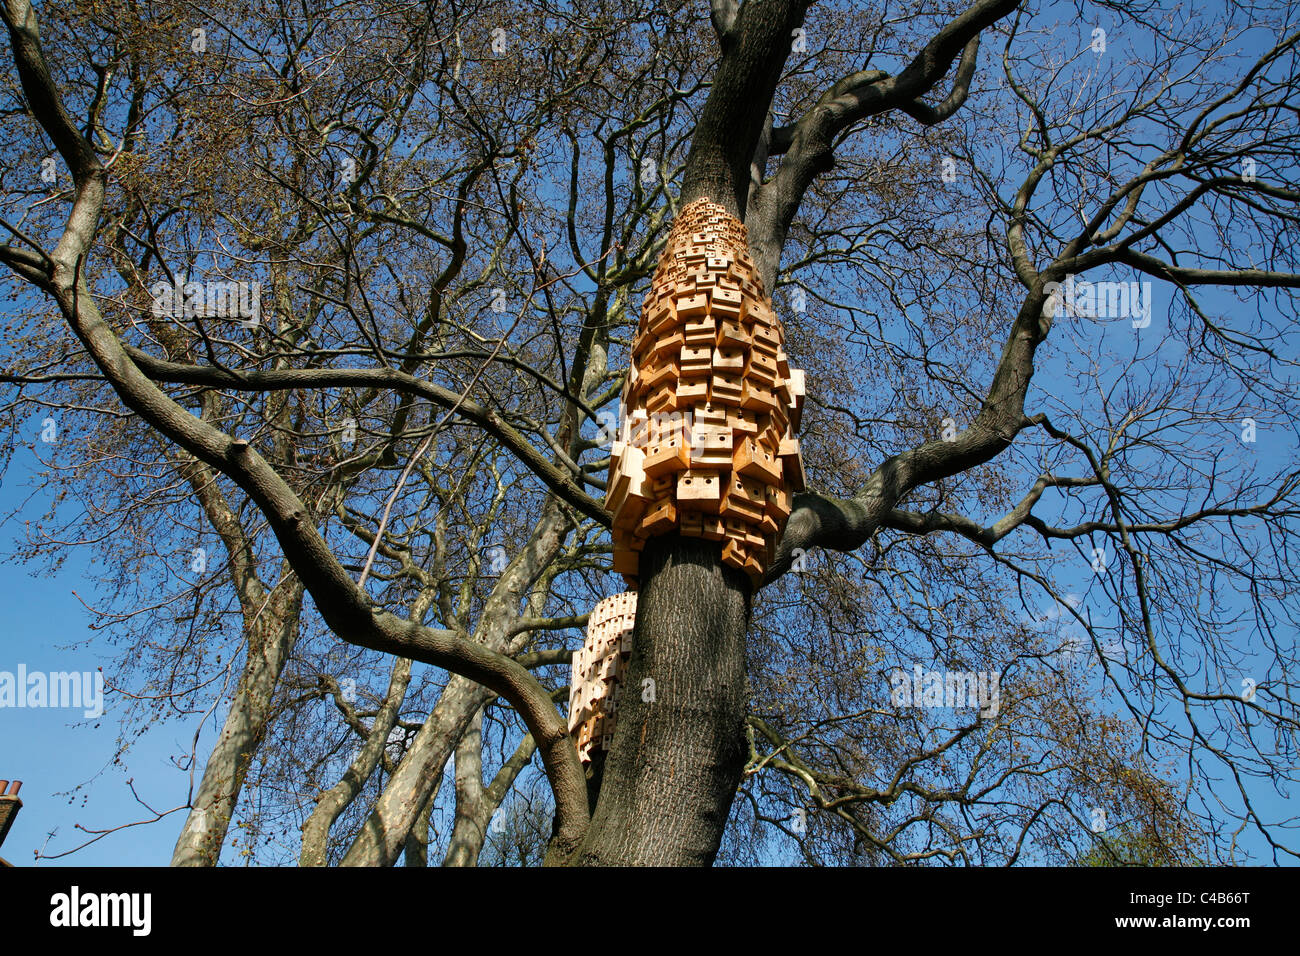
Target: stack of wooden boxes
[710, 407]
[596, 673]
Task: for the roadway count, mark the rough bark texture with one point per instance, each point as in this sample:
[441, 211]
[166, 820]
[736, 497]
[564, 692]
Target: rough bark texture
[678, 755]
[733, 118]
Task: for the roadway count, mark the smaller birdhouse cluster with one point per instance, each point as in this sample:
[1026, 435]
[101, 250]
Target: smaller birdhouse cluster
[710, 407]
[596, 674]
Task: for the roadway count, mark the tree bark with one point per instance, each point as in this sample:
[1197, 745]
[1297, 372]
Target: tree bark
[269, 644]
[468, 831]
[679, 752]
[417, 841]
[332, 802]
[383, 838]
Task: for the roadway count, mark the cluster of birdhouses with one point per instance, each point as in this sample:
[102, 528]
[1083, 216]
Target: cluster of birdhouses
[596, 673]
[710, 406]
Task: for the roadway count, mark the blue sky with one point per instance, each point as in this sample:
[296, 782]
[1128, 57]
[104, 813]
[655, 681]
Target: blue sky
[64, 760]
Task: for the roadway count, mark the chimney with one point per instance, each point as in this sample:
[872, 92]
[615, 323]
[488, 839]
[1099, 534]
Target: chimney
[9, 807]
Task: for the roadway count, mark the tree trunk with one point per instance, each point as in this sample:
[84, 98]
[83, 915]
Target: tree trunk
[417, 841]
[468, 831]
[383, 838]
[204, 833]
[679, 752]
[332, 802]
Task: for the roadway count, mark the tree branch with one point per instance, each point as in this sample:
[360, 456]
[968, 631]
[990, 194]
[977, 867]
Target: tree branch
[344, 607]
[258, 380]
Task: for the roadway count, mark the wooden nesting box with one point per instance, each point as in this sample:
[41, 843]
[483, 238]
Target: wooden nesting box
[711, 408]
[595, 676]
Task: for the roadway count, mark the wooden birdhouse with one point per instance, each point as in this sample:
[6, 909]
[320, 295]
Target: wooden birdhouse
[595, 674]
[709, 351]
